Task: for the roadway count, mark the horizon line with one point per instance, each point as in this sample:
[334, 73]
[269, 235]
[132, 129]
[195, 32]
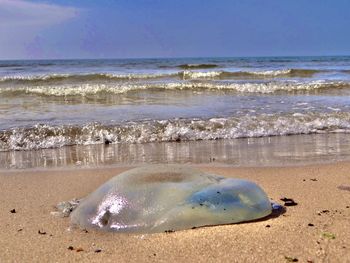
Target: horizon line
[180, 57]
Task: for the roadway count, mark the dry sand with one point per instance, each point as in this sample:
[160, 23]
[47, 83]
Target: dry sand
[287, 237]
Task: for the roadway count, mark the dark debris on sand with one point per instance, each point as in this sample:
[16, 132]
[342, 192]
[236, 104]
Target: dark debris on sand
[344, 187]
[326, 211]
[288, 201]
[291, 259]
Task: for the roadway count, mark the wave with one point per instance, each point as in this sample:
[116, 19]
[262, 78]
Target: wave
[25, 64]
[45, 136]
[187, 74]
[10, 65]
[251, 74]
[202, 75]
[289, 72]
[197, 66]
[91, 89]
[49, 78]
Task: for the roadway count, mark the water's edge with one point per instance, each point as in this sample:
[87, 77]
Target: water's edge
[275, 151]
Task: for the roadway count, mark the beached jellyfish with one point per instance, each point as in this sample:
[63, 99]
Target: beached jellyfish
[160, 198]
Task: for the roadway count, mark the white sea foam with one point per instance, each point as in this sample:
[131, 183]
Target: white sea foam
[248, 74]
[46, 136]
[90, 89]
[186, 74]
[271, 72]
[82, 77]
[198, 75]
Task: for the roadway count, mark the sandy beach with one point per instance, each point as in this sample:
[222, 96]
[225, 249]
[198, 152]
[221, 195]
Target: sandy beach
[315, 230]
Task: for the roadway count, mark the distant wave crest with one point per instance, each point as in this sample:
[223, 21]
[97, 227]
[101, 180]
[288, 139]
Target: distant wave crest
[186, 74]
[197, 66]
[42, 79]
[250, 74]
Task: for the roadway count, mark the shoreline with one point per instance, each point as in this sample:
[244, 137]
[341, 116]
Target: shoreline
[34, 193]
[273, 151]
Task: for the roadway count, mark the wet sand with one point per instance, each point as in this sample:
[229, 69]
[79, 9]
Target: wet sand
[243, 152]
[315, 230]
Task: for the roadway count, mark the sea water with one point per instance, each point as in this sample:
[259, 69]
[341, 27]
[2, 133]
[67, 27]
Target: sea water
[50, 104]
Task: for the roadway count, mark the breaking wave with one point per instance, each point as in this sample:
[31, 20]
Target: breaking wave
[115, 88]
[287, 72]
[45, 136]
[186, 74]
[250, 74]
[50, 78]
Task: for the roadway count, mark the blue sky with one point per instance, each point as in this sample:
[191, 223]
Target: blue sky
[33, 29]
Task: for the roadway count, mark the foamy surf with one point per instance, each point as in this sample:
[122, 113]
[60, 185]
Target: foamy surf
[43, 136]
[186, 74]
[115, 88]
[48, 78]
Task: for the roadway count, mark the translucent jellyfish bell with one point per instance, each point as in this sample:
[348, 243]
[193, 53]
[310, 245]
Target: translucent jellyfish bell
[160, 198]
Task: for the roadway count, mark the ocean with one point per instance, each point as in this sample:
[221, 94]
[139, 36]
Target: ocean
[92, 112]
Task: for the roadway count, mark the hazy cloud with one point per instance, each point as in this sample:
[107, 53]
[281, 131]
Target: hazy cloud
[18, 13]
[23, 22]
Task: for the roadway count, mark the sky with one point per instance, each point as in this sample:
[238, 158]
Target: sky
[61, 29]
